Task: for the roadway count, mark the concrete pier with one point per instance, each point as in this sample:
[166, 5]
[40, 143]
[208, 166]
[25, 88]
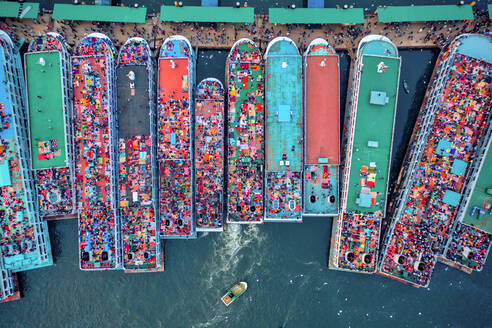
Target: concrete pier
[223, 35]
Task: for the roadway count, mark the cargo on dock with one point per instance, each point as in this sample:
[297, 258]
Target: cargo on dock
[48, 81]
[368, 136]
[137, 158]
[175, 138]
[209, 155]
[245, 82]
[284, 131]
[321, 130]
[448, 142]
[93, 74]
[24, 238]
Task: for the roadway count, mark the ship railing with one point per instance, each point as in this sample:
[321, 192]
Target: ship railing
[17, 90]
[350, 135]
[113, 148]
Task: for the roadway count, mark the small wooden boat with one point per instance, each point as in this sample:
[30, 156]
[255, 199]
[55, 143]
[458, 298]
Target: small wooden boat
[234, 293]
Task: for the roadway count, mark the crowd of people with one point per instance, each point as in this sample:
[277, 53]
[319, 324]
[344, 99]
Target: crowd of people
[209, 154]
[469, 246]
[91, 108]
[429, 211]
[47, 42]
[54, 185]
[134, 52]
[139, 226]
[139, 237]
[175, 198]
[174, 137]
[359, 241]
[18, 235]
[283, 195]
[246, 134]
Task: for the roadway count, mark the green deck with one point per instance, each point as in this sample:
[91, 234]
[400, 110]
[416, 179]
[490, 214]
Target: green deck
[373, 123]
[315, 16]
[391, 14]
[207, 14]
[479, 196]
[45, 81]
[99, 13]
[11, 9]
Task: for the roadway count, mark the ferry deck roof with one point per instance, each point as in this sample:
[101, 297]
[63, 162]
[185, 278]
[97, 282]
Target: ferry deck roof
[392, 14]
[133, 104]
[11, 9]
[283, 105]
[99, 13]
[322, 106]
[373, 130]
[46, 120]
[475, 213]
[316, 16]
[207, 14]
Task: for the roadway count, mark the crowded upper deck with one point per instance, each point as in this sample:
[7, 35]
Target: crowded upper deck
[245, 133]
[368, 137]
[440, 159]
[175, 138]
[93, 103]
[137, 160]
[209, 156]
[50, 123]
[284, 131]
[24, 239]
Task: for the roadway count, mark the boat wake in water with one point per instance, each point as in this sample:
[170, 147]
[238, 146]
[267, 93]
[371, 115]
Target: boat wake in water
[237, 254]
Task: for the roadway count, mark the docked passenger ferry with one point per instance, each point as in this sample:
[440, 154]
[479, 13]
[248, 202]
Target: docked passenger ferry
[284, 132]
[94, 104]
[443, 195]
[245, 133]
[368, 136]
[24, 238]
[175, 138]
[321, 129]
[137, 160]
[209, 155]
[49, 91]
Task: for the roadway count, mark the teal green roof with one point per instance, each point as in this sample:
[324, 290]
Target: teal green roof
[207, 14]
[99, 13]
[476, 214]
[282, 48]
[451, 198]
[392, 14]
[46, 120]
[373, 123]
[490, 11]
[11, 9]
[316, 16]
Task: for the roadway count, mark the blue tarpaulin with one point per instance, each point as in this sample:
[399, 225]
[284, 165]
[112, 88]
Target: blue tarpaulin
[284, 113]
[459, 167]
[444, 147]
[451, 198]
[316, 3]
[4, 174]
[210, 3]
